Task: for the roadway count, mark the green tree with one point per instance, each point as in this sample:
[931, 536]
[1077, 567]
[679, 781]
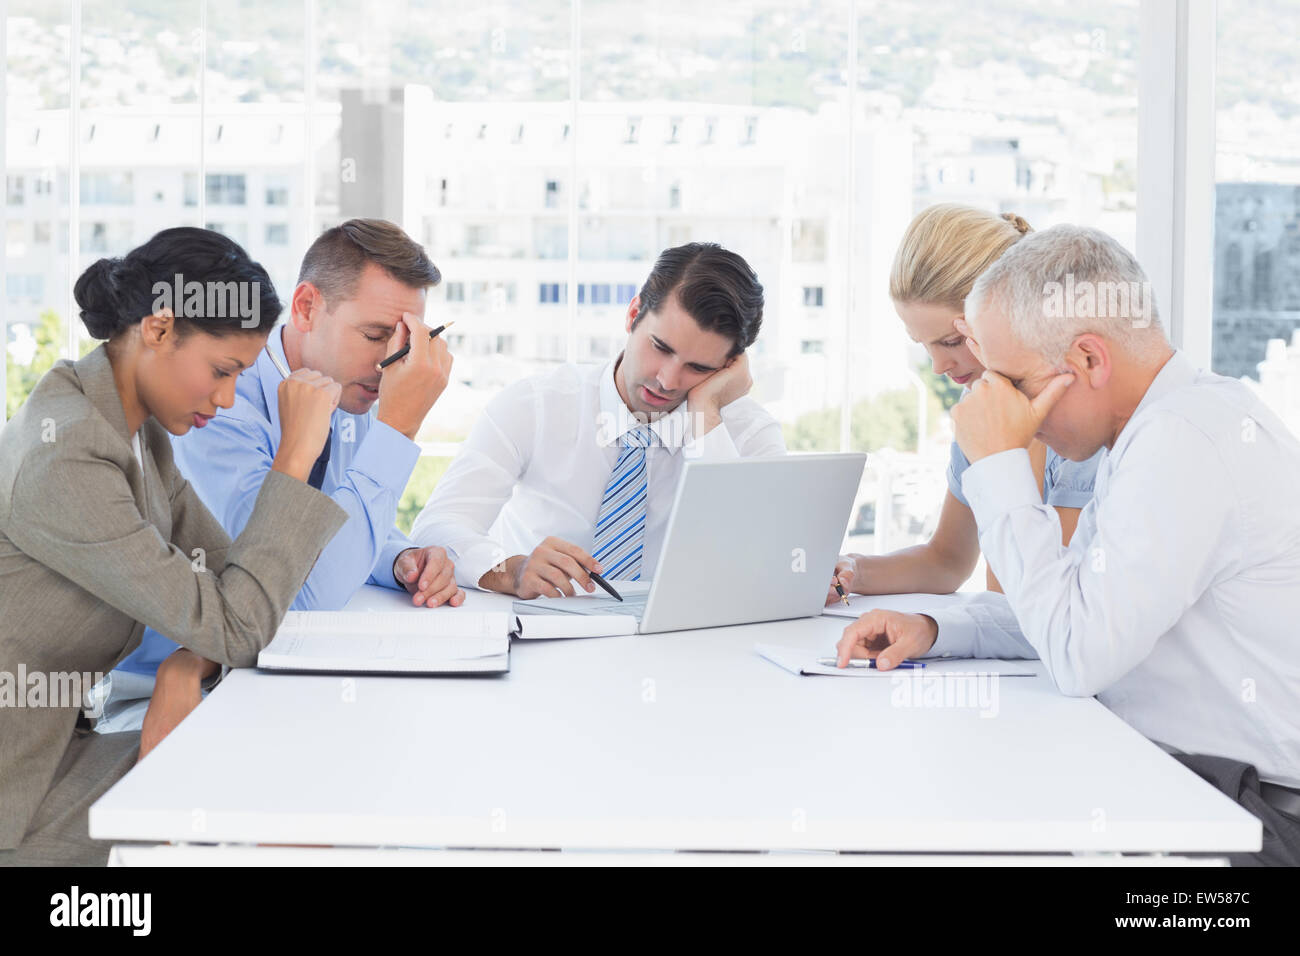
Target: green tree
[887, 420]
[424, 478]
[945, 389]
[21, 379]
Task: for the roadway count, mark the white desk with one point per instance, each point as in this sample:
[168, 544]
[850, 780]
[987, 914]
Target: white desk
[672, 741]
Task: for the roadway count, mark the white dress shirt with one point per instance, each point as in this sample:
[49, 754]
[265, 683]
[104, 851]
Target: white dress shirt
[537, 462]
[1177, 602]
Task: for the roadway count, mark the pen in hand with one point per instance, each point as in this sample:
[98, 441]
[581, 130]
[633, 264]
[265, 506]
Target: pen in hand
[860, 662]
[839, 589]
[401, 353]
[605, 584]
[279, 365]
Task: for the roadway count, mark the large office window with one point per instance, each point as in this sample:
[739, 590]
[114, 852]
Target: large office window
[1256, 327]
[559, 146]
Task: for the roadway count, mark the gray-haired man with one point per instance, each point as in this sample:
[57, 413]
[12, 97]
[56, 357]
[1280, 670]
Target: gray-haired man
[1176, 600]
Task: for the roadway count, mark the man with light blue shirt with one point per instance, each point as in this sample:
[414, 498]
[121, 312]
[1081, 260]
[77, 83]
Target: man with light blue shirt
[360, 296]
[1176, 601]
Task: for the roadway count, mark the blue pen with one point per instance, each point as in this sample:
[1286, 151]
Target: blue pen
[859, 662]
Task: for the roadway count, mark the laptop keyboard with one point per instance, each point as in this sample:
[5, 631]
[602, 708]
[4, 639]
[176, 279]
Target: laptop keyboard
[629, 605]
[634, 606]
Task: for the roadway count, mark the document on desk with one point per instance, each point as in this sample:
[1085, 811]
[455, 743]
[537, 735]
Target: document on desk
[390, 642]
[860, 604]
[803, 662]
[583, 615]
[550, 626]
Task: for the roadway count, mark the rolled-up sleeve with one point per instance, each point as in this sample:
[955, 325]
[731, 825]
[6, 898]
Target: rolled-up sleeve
[957, 465]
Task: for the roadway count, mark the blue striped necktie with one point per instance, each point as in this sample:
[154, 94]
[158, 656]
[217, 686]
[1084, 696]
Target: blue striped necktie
[620, 526]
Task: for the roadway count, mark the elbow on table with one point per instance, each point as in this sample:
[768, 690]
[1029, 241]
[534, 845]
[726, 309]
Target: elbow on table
[236, 644]
[233, 652]
[1073, 681]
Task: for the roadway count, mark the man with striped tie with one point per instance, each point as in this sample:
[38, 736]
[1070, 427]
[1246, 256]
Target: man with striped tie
[574, 470]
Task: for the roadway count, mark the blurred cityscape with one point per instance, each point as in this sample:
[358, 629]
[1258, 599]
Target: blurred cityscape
[544, 168]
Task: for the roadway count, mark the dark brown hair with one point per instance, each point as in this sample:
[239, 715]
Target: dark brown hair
[715, 287]
[335, 260]
[115, 294]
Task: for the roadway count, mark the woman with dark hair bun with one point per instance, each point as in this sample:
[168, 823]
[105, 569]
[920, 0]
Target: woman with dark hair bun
[100, 536]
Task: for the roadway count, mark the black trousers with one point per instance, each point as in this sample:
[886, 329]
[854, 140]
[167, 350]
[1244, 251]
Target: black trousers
[1240, 781]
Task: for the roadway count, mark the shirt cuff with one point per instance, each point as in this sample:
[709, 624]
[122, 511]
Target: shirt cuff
[957, 633]
[475, 561]
[954, 485]
[998, 484]
[208, 683]
[387, 457]
[382, 572]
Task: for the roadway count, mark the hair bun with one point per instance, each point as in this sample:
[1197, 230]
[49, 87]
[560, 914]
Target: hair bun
[109, 294]
[95, 292]
[1022, 227]
[128, 273]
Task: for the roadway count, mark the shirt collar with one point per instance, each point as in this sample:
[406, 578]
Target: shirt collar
[269, 376]
[1177, 372]
[616, 419]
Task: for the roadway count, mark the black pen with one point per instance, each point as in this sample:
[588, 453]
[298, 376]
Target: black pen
[605, 584]
[840, 590]
[401, 353]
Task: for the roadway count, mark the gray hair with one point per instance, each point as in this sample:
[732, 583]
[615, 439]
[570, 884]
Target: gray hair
[1062, 282]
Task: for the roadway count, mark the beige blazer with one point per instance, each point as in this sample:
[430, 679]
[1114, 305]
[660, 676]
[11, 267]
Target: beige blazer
[93, 548]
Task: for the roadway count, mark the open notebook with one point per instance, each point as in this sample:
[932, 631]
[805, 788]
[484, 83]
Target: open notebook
[390, 642]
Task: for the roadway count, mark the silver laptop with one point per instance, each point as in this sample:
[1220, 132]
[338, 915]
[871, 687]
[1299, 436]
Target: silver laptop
[748, 540]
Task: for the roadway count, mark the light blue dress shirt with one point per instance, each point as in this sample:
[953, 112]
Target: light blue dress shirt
[369, 466]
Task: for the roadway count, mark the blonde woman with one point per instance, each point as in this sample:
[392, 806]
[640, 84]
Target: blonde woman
[944, 250]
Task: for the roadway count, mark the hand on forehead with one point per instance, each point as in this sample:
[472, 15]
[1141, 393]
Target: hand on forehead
[989, 337]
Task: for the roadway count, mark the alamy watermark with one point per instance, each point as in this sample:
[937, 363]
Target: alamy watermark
[1085, 299]
[210, 300]
[965, 690]
[42, 689]
[671, 431]
[74, 908]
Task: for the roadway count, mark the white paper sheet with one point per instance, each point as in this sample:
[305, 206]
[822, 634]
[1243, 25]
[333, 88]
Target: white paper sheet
[397, 641]
[803, 662]
[860, 604]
